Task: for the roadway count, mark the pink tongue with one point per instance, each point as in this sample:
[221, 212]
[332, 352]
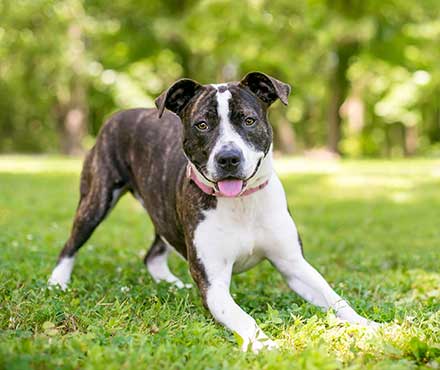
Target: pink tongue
[230, 188]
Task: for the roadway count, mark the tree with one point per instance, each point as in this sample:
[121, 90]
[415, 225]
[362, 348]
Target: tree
[68, 64]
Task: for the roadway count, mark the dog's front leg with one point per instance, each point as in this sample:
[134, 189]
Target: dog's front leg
[286, 255]
[213, 282]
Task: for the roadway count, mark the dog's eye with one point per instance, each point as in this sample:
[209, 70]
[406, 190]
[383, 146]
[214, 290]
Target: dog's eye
[201, 126]
[249, 121]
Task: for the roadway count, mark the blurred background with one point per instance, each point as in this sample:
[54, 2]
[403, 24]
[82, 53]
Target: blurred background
[365, 74]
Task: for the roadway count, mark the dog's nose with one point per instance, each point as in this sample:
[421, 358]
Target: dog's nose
[229, 159]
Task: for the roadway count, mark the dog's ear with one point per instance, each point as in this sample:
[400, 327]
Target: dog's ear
[177, 96]
[267, 88]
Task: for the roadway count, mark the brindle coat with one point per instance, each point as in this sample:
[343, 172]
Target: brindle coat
[138, 152]
[144, 151]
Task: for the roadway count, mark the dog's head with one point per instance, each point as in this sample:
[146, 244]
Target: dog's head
[226, 131]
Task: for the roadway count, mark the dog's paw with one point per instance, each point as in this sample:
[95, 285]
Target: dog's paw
[372, 324]
[261, 342]
[181, 285]
[61, 273]
[362, 321]
[172, 280]
[347, 314]
[53, 283]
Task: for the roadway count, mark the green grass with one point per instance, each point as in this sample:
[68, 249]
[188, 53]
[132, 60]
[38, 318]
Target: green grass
[371, 227]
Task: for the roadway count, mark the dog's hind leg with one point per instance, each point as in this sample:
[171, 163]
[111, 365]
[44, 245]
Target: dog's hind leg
[156, 261]
[98, 195]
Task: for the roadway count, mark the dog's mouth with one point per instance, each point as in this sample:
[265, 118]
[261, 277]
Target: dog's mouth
[233, 187]
[230, 187]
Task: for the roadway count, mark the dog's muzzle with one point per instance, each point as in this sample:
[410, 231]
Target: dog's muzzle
[225, 188]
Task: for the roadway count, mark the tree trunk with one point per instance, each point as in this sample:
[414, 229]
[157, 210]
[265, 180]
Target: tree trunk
[283, 132]
[334, 120]
[388, 142]
[73, 124]
[72, 111]
[338, 92]
[286, 136]
[411, 140]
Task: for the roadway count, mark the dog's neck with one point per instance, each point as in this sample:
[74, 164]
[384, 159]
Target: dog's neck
[257, 182]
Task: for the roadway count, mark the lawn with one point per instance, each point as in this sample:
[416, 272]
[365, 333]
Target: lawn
[370, 227]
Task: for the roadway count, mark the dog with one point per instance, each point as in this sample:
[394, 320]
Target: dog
[201, 166]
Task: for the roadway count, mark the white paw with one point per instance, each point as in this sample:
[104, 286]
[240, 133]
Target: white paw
[181, 285]
[54, 283]
[346, 313]
[362, 321]
[257, 344]
[372, 324]
[263, 344]
[61, 273]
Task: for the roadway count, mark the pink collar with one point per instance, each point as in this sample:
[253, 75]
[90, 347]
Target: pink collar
[190, 174]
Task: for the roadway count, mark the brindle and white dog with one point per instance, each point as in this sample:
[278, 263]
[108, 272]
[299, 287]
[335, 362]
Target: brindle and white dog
[201, 165]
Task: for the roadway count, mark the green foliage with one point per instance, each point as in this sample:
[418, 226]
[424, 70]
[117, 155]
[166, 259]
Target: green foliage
[99, 56]
[373, 234]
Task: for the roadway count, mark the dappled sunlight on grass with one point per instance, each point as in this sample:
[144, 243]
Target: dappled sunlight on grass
[340, 338]
[352, 344]
[425, 287]
[436, 171]
[401, 197]
[291, 165]
[39, 164]
[384, 181]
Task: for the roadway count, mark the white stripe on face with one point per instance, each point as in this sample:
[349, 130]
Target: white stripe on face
[228, 135]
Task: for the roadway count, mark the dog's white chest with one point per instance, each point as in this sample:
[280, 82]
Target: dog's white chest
[237, 231]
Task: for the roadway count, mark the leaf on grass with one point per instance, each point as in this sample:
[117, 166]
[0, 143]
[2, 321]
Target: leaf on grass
[50, 329]
[51, 332]
[48, 325]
